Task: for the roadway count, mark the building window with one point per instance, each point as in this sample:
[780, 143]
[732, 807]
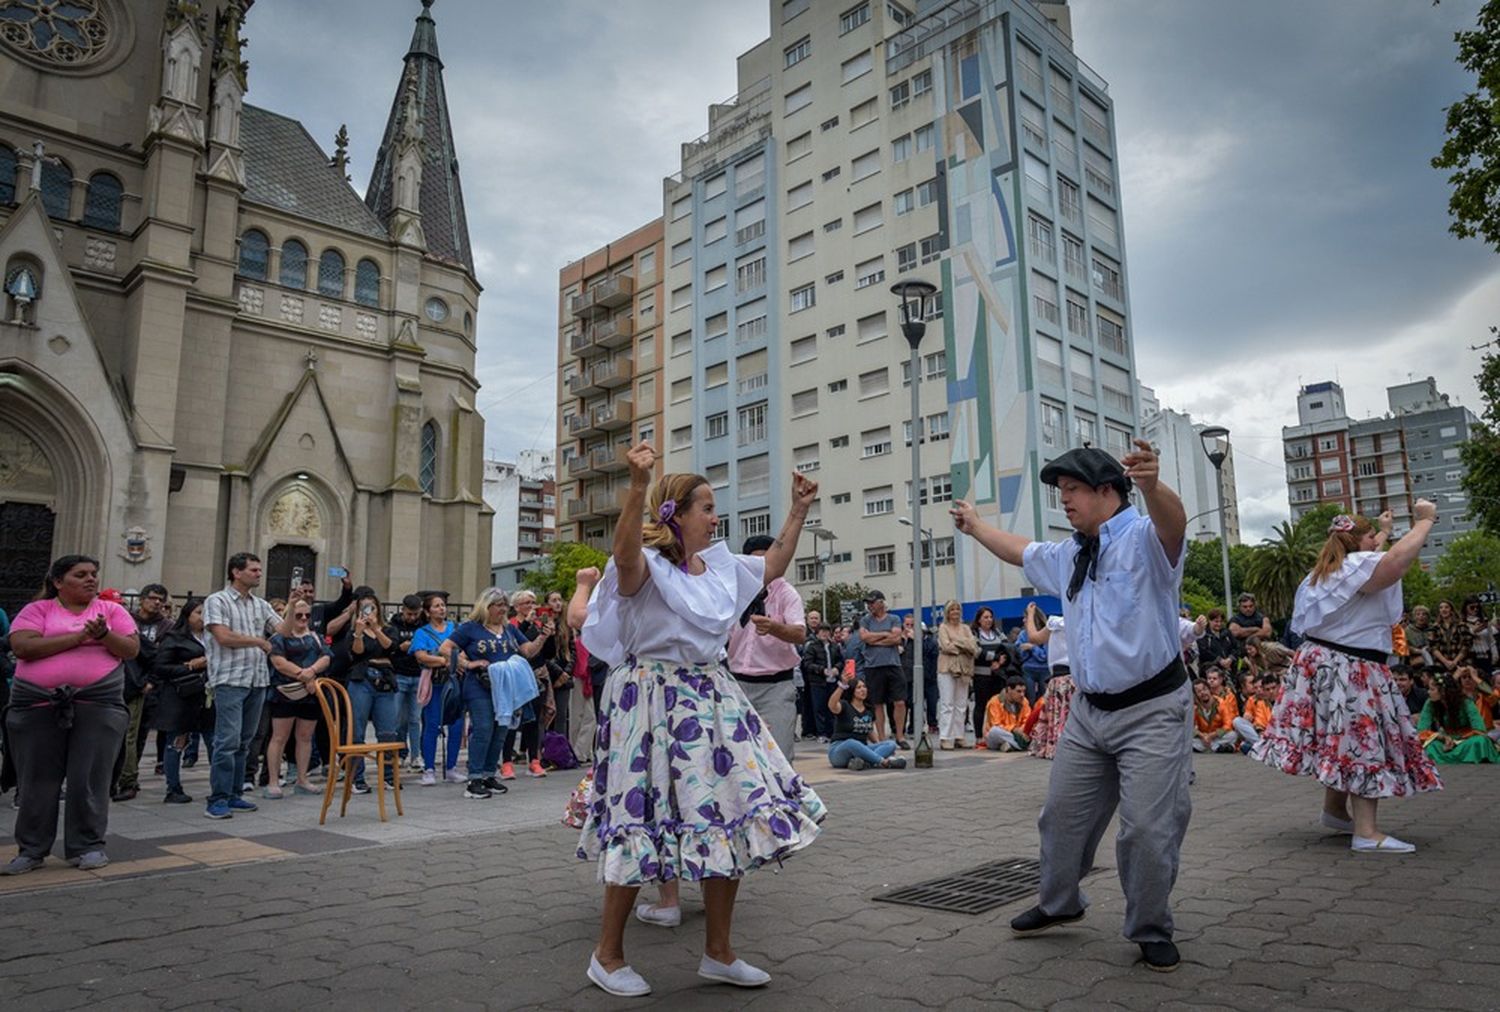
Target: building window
[921, 83]
[903, 202]
[682, 437]
[293, 264]
[804, 402]
[857, 66]
[828, 124]
[901, 148]
[8, 165]
[799, 196]
[866, 112]
[880, 501]
[367, 283]
[927, 193]
[870, 272]
[838, 386]
[804, 349]
[880, 561]
[716, 426]
[899, 15]
[853, 18]
[435, 308]
[805, 458]
[874, 383]
[751, 274]
[755, 524]
[749, 330]
[428, 477]
[804, 298]
[799, 99]
[924, 136]
[255, 250]
[867, 218]
[331, 274]
[1106, 277]
[752, 423]
[900, 95]
[57, 189]
[1053, 424]
[906, 257]
[866, 165]
[807, 570]
[834, 278]
[798, 51]
[101, 207]
[875, 442]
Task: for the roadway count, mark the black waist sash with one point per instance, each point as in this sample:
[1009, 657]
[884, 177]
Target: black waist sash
[1165, 681]
[1363, 653]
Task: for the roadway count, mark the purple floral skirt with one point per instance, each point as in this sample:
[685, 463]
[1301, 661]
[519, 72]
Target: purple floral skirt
[688, 783]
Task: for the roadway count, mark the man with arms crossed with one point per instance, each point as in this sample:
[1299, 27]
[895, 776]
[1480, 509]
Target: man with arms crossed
[1125, 743]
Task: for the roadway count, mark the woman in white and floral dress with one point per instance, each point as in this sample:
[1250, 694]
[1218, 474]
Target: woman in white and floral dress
[688, 784]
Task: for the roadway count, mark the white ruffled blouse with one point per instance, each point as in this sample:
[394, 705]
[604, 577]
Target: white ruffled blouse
[1336, 611]
[674, 616]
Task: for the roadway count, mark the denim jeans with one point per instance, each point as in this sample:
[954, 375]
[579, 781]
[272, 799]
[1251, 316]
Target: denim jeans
[820, 690]
[369, 704]
[236, 718]
[1036, 681]
[840, 752]
[432, 718]
[408, 714]
[485, 738]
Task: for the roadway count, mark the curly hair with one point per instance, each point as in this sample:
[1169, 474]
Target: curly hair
[1338, 545]
[661, 533]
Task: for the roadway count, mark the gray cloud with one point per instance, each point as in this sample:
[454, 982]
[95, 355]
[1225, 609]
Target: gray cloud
[1280, 215]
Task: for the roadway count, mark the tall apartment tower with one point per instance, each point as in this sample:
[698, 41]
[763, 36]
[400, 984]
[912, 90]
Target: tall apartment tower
[608, 383]
[1381, 463]
[962, 144]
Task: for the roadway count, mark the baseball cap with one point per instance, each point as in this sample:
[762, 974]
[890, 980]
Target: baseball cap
[875, 595]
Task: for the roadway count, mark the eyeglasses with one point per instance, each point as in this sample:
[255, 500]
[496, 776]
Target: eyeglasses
[301, 614]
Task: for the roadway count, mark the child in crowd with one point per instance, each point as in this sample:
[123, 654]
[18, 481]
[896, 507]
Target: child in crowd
[1005, 715]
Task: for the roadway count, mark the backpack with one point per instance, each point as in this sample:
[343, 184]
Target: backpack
[557, 753]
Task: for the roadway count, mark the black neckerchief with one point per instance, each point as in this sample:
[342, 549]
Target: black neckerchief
[757, 607]
[1086, 562]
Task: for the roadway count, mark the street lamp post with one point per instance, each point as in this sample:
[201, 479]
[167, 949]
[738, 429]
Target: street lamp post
[914, 297]
[1215, 440]
[819, 534]
[931, 566]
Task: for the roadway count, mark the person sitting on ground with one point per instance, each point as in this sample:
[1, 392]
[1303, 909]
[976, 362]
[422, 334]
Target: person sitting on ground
[1218, 685]
[1450, 641]
[1257, 711]
[1451, 730]
[1411, 690]
[1004, 717]
[856, 738]
[1484, 697]
[1213, 730]
[1418, 631]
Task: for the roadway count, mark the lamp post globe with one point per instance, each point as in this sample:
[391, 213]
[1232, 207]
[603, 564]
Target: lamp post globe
[1215, 440]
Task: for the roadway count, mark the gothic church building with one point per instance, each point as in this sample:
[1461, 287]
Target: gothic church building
[210, 342]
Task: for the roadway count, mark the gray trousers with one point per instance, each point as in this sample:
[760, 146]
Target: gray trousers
[1136, 759]
[46, 754]
[776, 703]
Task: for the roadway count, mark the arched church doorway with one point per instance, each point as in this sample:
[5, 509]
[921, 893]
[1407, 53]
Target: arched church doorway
[286, 562]
[28, 519]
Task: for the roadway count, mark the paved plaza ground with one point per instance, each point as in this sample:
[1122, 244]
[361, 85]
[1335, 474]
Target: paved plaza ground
[469, 904]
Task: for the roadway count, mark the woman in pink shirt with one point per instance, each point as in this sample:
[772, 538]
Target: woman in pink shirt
[67, 713]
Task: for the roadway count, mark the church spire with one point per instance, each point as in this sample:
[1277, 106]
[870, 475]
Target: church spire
[414, 187]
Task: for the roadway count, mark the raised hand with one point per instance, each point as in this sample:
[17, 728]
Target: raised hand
[1386, 521]
[804, 490]
[641, 458]
[1425, 509]
[1142, 467]
[587, 577]
[965, 517]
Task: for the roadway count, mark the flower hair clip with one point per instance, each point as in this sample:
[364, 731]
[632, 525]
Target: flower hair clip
[1341, 523]
[667, 511]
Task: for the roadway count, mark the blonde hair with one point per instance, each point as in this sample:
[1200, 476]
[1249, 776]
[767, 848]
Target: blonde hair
[487, 597]
[657, 533]
[523, 597]
[1338, 545]
[951, 605]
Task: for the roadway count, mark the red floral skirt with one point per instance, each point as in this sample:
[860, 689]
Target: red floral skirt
[1054, 704]
[1341, 720]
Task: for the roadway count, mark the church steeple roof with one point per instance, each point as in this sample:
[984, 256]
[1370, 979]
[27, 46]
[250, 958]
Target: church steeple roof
[440, 199]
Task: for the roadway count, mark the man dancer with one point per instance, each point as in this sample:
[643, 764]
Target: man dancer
[1125, 742]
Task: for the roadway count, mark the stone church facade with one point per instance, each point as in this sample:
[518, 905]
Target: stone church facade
[210, 342]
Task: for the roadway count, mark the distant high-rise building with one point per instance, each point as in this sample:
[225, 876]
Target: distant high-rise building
[1187, 469]
[524, 498]
[1386, 463]
[962, 144]
[609, 393]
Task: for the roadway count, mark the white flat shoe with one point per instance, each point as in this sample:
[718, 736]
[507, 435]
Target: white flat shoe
[1384, 845]
[624, 982]
[665, 917]
[1336, 824]
[739, 973]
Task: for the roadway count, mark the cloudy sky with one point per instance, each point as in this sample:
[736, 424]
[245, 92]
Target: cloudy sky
[1281, 220]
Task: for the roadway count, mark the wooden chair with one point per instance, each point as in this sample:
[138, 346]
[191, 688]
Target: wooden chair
[338, 711]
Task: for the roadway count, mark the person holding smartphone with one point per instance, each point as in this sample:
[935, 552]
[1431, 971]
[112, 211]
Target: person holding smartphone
[372, 680]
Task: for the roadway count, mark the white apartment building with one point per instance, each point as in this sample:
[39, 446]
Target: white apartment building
[524, 498]
[960, 143]
[1187, 469]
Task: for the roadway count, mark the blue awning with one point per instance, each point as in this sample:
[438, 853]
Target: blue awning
[1008, 610]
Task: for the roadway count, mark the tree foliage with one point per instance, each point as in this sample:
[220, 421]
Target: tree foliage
[1199, 599]
[837, 594]
[1279, 564]
[1480, 453]
[558, 570]
[1418, 587]
[1471, 152]
[1205, 566]
[1470, 564]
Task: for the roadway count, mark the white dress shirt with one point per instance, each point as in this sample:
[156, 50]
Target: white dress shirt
[1336, 610]
[1121, 628]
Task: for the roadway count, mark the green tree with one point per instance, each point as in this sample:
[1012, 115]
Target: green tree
[1314, 524]
[1205, 566]
[1480, 453]
[1469, 565]
[837, 594]
[557, 570]
[1278, 565]
[1471, 151]
[1199, 599]
[1418, 587]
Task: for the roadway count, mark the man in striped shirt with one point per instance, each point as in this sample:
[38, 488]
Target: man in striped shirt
[239, 624]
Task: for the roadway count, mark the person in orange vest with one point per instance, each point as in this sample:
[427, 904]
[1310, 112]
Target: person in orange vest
[1005, 715]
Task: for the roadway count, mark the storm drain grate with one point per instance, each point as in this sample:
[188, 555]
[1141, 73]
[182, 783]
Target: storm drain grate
[974, 891]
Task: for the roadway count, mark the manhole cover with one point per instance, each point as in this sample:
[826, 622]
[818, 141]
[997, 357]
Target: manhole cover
[973, 891]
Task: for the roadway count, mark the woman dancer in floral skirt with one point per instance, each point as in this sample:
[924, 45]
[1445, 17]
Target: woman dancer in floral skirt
[1341, 717]
[688, 784]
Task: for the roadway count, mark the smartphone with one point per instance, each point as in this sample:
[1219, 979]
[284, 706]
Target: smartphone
[367, 610]
[296, 577]
[543, 613]
[337, 572]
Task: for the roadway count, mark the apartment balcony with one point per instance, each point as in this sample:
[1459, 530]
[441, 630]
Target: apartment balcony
[616, 374]
[613, 417]
[578, 509]
[530, 523]
[604, 504]
[609, 459]
[615, 333]
[581, 425]
[604, 295]
[583, 383]
[581, 466]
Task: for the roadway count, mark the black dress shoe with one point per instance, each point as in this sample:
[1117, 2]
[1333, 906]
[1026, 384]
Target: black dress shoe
[1034, 921]
[1160, 956]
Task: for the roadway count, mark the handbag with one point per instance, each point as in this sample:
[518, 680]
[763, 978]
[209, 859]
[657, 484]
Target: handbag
[453, 702]
[293, 691]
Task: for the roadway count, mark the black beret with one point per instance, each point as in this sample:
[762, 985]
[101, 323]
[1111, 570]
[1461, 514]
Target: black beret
[1090, 465]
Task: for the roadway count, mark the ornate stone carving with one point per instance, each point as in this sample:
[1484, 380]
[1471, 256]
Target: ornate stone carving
[252, 300]
[137, 545]
[73, 34]
[330, 317]
[364, 325]
[291, 308]
[295, 513]
[99, 254]
[23, 465]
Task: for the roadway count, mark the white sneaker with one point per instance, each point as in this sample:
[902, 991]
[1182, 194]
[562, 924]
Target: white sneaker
[624, 982]
[429, 778]
[1336, 824]
[739, 973]
[1384, 845]
[666, 917]
[455, 777]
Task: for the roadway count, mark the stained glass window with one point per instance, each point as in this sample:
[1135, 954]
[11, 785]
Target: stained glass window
[101, 209]
[331, 274]
[429, 458]
[57, 188]
[64, 31]
[7, 174]
[293, 264]
[254, 253]
[367, 283]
